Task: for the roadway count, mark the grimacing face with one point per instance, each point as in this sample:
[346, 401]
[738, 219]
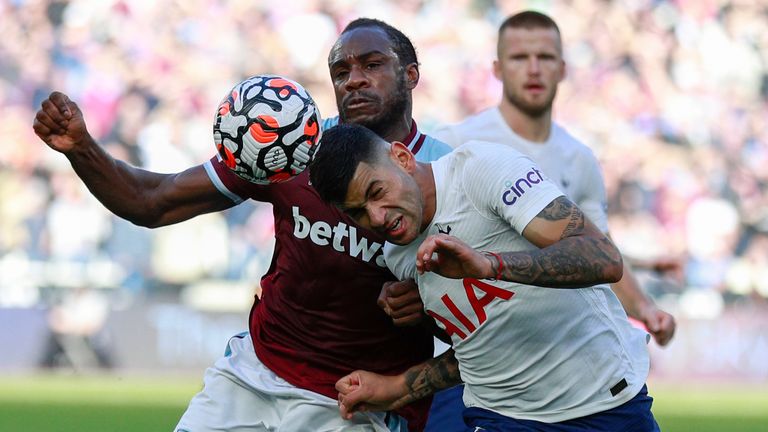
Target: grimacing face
[368, 80]
[530, 66]
[385, 198]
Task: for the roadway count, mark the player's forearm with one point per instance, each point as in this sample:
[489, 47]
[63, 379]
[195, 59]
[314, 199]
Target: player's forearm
[572, 262]
[120, 187]
[430, 377]
[631, 296]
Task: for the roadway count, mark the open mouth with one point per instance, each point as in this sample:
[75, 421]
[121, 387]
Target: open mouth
[394, 228]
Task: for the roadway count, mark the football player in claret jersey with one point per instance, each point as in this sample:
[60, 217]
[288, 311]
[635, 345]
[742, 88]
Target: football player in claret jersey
[317, 318]
[532, 357]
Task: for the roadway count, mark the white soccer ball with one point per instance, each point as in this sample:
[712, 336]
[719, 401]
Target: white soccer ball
[267, 129]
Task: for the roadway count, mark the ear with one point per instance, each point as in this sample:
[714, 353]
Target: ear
[563, 71]
[412, 76]
[497, 69]
[402, 156]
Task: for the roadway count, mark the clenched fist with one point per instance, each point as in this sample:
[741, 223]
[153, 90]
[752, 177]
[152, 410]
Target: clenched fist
[60, 124]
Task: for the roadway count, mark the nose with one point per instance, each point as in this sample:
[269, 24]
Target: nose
[357, 79]
[533, 66]
[377, 216]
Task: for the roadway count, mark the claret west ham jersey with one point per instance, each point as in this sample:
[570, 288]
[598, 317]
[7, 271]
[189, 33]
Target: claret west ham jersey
[317, 319]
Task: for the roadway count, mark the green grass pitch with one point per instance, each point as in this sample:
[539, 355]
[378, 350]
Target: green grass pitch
[56, 403]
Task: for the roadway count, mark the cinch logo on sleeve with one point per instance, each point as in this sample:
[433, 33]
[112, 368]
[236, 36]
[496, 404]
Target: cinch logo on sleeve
[518, 188]
[342, 238]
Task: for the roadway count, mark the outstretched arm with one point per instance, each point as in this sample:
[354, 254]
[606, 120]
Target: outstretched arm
[572, 253]
[142, 197]
[660, 324]
[367, 391]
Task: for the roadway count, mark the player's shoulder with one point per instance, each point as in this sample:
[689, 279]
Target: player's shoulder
[480, 149]
[329, 123]
[457, 133]
[478, 120]
[432, 149]
[477, 159]
[566, 141]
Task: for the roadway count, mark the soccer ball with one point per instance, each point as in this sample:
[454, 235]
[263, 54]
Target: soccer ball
[266, 129]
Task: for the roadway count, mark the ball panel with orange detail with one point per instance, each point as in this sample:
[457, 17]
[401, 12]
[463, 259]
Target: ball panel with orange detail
[267, 129]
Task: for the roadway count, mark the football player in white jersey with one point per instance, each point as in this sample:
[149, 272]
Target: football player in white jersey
[530, 66]
[488, 239]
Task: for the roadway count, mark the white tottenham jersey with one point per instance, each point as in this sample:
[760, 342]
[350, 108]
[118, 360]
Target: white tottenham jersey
[570, 164]
[526, 352]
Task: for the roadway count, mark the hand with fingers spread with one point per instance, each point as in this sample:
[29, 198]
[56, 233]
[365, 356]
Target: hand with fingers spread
[401, 301]
[60, 124]
[452, 258]
[363, 391]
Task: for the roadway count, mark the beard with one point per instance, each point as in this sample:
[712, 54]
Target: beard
[533, 110]
[390, 110]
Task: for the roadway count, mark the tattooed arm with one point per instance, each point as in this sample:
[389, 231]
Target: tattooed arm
[367, 391]
[573, 253]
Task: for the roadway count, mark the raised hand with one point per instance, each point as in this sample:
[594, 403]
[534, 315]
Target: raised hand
[452, 258]
[60, 124]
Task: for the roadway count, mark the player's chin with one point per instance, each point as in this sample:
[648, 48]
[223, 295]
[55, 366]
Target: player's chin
[401, 239]
[367, 118]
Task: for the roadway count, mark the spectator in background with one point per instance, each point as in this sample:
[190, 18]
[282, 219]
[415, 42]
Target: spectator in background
[76, 324]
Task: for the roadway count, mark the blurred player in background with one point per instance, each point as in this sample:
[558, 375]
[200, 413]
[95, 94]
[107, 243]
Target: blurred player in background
[530, 66]
[317, 318]
[488, 238]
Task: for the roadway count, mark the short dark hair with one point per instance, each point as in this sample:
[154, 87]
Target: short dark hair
[340, 151]
[527, 20]
[400, 42]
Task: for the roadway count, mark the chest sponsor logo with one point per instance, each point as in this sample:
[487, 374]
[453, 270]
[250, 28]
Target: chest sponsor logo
[518, 188]
[342, 237]
[459, 322]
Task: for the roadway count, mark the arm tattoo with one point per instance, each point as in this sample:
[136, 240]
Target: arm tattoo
[434, 375]
[580, 258]
[558, 209]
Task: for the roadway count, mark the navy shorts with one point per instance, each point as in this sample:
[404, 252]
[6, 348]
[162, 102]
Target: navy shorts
[446, 412]
[632, 416]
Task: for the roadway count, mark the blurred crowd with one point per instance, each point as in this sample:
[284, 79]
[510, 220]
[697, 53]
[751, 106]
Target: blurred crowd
[671, 95]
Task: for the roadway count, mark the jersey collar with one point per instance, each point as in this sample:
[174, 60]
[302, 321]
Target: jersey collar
[415, 139]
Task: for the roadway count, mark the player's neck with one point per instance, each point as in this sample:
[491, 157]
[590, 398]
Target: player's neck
[397, 130]
[534, 129]
[426, 181]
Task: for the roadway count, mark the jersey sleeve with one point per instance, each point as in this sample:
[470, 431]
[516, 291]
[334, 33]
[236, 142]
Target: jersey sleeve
[232, 186]
[502, 182]
[396, 258]
[592, 200]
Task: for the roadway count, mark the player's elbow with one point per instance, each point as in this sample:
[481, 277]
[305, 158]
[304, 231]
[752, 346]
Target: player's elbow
[144, 220]
[148, 216]
[614, 269]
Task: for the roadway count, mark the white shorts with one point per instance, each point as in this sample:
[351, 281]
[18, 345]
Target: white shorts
[241, 394]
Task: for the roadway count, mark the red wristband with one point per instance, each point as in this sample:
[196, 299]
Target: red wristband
[501, 264]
